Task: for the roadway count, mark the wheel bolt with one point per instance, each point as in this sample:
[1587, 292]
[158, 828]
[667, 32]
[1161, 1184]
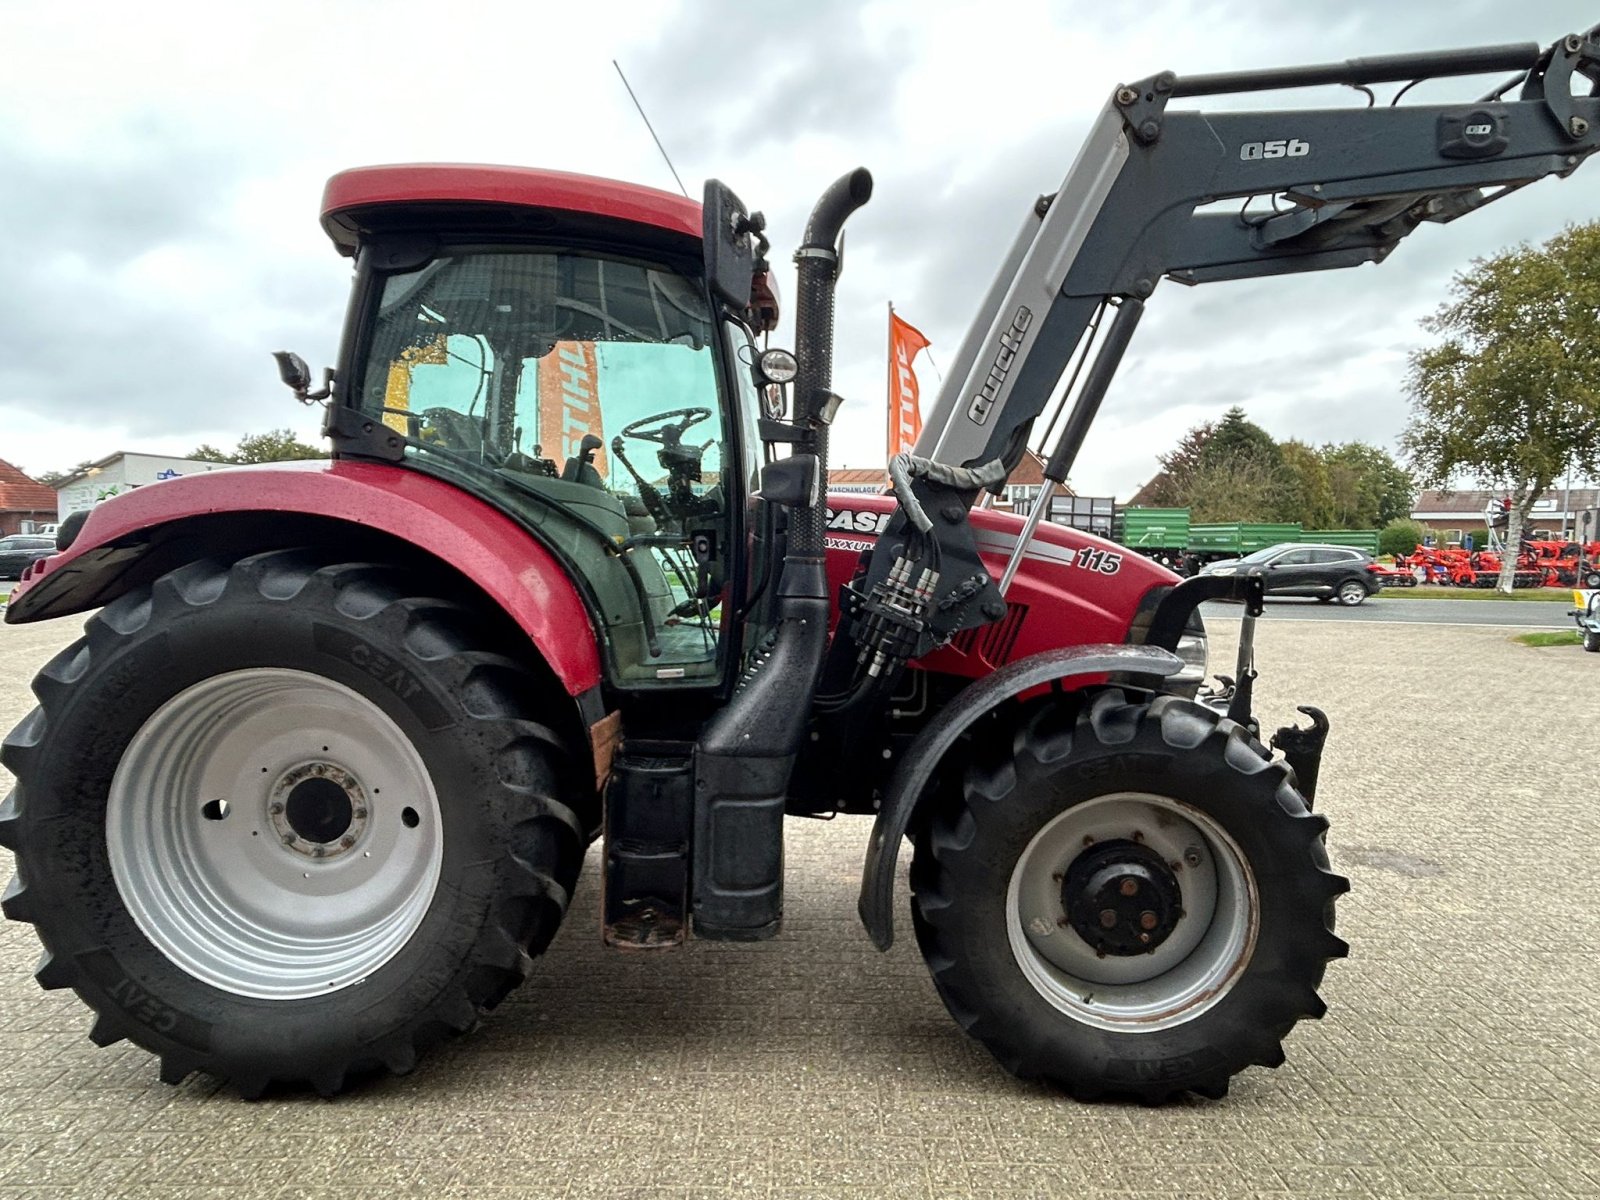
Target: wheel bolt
[1144, 937]
[1108, 918]
[1147, 920]
[1129, 887]
[1087, 840]
[1137, 836]
[347, 842]
[361, 814]
[277, 809]
[288, 839]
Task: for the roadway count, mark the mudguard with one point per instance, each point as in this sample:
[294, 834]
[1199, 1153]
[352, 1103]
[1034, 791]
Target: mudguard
[922, 759]
[109, 554]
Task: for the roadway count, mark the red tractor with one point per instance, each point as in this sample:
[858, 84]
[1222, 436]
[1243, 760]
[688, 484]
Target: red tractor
[315, 787]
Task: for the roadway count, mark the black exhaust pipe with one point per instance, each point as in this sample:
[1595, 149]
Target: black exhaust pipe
[745, 756]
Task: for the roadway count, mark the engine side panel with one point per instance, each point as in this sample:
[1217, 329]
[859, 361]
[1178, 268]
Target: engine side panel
[1072, 588]
[498, 556]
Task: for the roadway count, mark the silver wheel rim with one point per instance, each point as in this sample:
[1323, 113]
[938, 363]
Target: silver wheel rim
[1181, 978]
[1352, 593]
[223, 829]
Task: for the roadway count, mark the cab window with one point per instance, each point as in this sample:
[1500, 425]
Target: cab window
[588, 384]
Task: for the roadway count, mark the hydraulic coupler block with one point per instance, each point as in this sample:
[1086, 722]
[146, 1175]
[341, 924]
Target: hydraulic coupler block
[894, 615]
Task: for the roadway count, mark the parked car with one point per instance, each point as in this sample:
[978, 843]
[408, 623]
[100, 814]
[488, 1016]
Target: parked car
[20, 550]
[1305, 569]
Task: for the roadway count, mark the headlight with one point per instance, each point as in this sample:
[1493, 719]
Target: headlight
[1222, 571]
[1192, 649]
[778, 366]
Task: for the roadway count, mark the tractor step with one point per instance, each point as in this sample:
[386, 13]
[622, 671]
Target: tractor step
[649, 819]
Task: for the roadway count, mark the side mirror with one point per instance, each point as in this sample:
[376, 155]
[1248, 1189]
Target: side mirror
[729, 255]
[293, 371]
[296, 376]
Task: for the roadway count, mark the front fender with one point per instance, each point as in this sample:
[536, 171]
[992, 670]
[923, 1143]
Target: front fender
[922, 758]
[123, 538]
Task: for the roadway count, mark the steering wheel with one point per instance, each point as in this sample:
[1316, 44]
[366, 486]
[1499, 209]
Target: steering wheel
[659, 435]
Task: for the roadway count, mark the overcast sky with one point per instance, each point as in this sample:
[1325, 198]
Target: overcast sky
[161, 165]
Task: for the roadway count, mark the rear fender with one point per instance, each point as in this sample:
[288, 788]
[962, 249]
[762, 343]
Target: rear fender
[1073, 664]
[133, 538]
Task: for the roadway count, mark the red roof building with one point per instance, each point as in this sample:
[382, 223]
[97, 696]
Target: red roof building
[23, 499]
[1020, 490]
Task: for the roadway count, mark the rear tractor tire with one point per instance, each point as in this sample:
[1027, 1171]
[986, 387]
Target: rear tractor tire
[282, 822]
[1127, 900]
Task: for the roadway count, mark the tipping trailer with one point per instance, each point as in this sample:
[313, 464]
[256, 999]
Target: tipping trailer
[314, 789]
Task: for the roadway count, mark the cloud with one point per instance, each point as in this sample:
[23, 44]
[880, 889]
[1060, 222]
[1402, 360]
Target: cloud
[163, 177]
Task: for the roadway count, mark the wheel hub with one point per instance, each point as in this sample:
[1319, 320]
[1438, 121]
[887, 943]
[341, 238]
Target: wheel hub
[318, 809]
[1121, 898]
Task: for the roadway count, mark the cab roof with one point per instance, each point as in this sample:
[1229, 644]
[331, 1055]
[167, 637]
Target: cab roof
[352, 198]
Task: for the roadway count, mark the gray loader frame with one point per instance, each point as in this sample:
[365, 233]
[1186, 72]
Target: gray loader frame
[1346, 185]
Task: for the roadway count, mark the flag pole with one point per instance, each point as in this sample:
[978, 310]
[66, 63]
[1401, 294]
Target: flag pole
[890, 396]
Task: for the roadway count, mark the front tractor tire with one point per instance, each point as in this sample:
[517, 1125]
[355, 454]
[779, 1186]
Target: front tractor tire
[1126, 898]
[285, 822]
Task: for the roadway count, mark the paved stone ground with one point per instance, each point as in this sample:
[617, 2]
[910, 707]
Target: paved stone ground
[1459, 1055]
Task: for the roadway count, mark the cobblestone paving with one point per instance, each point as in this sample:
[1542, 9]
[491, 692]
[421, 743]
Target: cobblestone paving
[1459, 1055]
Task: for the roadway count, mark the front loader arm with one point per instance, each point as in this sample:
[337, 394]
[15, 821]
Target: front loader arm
[1345, 185]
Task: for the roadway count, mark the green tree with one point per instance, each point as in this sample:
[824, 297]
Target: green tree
[1237, 438]
[51, 478]
[276, 445]
[1369, 487]
[1305, 491]
[1401, 536]
[1175, 485]
[1240, 489]
[1511, 394]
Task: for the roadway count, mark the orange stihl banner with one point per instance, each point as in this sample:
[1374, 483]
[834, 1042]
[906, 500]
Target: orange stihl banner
[569, 402]
[905, 418]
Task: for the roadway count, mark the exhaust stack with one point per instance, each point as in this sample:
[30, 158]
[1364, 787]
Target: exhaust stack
[744, 758]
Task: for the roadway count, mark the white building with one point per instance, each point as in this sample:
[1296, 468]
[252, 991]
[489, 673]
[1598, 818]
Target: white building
[120, 473]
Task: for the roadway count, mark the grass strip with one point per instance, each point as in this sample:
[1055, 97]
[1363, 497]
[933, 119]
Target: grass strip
[1563, 637]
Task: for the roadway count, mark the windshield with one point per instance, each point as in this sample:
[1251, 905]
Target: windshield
[1263, 555]
[588, 383]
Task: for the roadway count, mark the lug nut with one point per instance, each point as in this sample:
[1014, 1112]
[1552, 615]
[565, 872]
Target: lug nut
[1138, 836]
[1108, 918]
[1147, 920]
[277, 809]
[1129, 887]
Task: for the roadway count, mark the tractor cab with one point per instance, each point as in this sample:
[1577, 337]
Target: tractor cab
[548, 342]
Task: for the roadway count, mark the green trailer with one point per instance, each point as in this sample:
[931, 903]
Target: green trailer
[1234, 539]
[1158, 533]
[1356, 539]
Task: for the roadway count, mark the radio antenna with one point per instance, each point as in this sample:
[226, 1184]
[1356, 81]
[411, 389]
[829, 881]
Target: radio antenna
[650, 127]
